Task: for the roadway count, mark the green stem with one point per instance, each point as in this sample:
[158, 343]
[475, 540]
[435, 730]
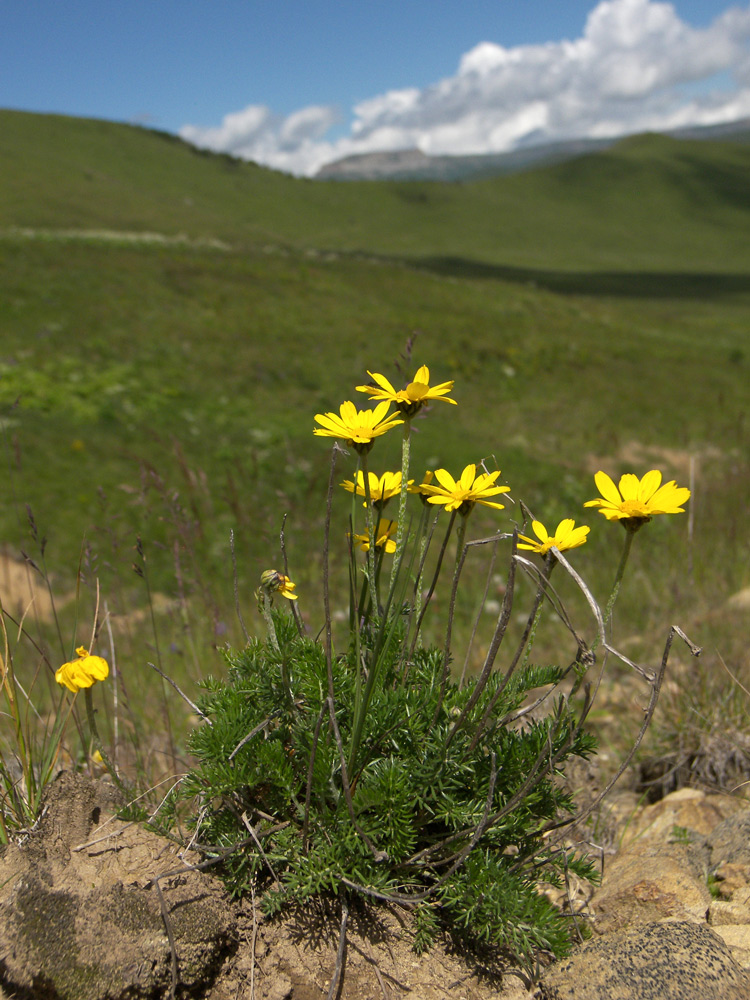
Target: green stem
[425, 536]
[401, 523]
[460, 535]
[436, 574]
[264, 603]
[629, 536]
[96, 740]
[371, 526]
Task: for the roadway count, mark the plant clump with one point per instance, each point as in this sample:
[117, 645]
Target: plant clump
[361, 766]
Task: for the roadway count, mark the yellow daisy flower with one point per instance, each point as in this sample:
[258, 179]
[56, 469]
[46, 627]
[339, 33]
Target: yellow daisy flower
[83, 672]
[566, 536]
[359, 428]
[382, 489]
[420, 489]
[276, 583]
[411, 399]
[383, 537]
[462, 494]
[636, 500]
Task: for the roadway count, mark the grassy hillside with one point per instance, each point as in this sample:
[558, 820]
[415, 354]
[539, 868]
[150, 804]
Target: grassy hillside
[650, 204]
[592, 315]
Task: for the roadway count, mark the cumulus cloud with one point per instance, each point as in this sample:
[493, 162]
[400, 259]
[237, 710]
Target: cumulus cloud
[636, 67]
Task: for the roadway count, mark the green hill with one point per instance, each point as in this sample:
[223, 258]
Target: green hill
[592, 313]
[651, 203]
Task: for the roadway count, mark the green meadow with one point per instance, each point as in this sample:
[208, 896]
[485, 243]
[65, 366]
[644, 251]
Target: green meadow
[171, 320]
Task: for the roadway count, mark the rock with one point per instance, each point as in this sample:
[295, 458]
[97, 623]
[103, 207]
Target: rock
[722, 912]
[737, 937]
[82, 919]
[660, 961]
[686, 809]
[650, 881]
[729, 842]
[732, 877]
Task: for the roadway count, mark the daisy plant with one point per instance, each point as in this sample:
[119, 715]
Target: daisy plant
[633, 502]
[464, 493]
[362, 764]
[384, 540]
[30, 746]
[408, 401]
[460, 496]
[80, 675]
[382, 488]
[566, 536]
[271, 583]
[359, 428]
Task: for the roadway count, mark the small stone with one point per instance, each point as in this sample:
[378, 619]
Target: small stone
[733, 880]
[721, 913]
[661, 961]
[737, 937]
[686, 809]
[280, 989]
[729, 842]
[650, 881]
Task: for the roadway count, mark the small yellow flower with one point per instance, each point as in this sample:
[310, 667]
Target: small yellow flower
[83, 672]
[421, 489]
[276, 583]
[462, 494]
[383, 537]
[411, 399]
[637, 500]
[566, 536]
[382, 489]
[359, 428]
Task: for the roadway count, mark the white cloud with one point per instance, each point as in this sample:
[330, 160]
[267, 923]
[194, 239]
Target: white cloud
[630, 71]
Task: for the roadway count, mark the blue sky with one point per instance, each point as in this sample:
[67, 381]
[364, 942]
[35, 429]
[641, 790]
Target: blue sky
[294, 84]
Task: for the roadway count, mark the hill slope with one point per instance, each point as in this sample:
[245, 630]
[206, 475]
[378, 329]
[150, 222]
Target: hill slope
[168, 390]
[650, 203]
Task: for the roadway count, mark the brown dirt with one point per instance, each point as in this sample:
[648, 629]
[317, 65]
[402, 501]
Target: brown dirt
[638, 455]
[295, 958]
[98, 868]
[24, 592]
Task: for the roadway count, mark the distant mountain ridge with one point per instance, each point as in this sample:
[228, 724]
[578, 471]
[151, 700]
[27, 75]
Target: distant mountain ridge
[414, 165]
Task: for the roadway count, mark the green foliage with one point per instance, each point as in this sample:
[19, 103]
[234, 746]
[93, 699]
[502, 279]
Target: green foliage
[541, 294]
[656, 203]
[435, 812]
[144, 370]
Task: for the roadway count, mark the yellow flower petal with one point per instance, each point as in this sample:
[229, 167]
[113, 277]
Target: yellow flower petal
[83, 672]
[382, 382]
[446, 480]
[649, 485]
[540, 531]
[638, 500]
[359, 428]
[607, 487]
[467, 477]
[463, 494]
[566, 536]
[411, 399]
[630, 486]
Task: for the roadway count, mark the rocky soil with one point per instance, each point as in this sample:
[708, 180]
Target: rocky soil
[92, 908]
